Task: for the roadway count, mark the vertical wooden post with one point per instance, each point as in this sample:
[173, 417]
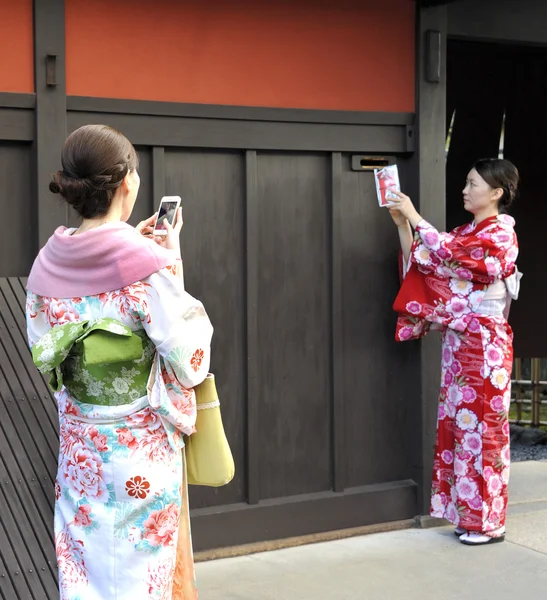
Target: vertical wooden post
[253, 441]
[428, 187]
[51, 128]
[337, 344]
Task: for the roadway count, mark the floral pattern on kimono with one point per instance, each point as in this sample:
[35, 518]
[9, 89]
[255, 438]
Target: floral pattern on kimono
[446, 282]
[119, 488]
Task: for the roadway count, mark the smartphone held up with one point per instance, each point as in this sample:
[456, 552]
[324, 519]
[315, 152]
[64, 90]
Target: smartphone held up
[167, 210]
[387, 180]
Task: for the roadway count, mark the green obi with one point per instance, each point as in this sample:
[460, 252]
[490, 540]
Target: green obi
[99, 362]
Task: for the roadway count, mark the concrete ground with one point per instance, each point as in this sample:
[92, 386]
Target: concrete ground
[425, 564]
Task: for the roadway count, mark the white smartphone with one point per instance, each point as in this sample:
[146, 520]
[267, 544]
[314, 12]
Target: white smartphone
[167, 210]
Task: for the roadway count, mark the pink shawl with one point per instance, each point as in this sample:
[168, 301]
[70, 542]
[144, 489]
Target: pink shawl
[104, 259]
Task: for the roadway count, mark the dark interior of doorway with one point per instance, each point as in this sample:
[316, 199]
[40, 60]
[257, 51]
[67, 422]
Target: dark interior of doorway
[495, 88]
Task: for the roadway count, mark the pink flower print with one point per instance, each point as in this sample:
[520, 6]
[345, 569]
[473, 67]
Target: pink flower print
[502, 238]
[60, 313]
[494, 356]
[437, 504]
[474, 326]
[493, 266]
[497, 403]
[414, 308]
[443, 254]
[454, 395]
[452, 514]
[467, 420]
[485, 371]
[452, 340]
[448, 378]
[469, 394]
[467, 489]
[99, 440]
[472, 442]
[475, 503]
[511, 255]
[449, 408]
[495, 485]
[478, 464]
[464, 455]
[506, 456]
[70, 560]
[422, 255]
[461, 287]
[493, 521]
[161, 526]
[456, 368]
[477, 254]
[441, 413]
[126, 438]
[447, 355]
[84, 474]
[499, 378]
[405, 333]
[506, 429]
[82, 516]
[457, 307]
[505, 475]
[464, 274]
[448, 457]
[460, 467]
[159, 579]
[431, 239]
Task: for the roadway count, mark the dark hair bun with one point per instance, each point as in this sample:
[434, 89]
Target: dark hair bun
[500, 173]
[95, 160]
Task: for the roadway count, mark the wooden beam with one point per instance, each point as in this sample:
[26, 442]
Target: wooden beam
[50, 88]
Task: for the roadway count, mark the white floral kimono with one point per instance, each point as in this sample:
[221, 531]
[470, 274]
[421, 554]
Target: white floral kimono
[119, 490]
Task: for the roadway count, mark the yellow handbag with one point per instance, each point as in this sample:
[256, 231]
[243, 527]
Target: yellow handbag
[209, 460]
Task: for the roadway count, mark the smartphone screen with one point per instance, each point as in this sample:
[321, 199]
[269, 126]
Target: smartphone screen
[168, 209]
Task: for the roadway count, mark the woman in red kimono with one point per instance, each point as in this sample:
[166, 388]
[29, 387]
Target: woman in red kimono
[461, 283]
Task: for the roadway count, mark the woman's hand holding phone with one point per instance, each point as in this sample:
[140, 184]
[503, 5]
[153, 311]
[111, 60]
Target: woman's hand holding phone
[172, 238]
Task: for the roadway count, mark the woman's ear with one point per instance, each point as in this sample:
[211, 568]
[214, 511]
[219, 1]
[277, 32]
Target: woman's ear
[127, 183]
[497, 194]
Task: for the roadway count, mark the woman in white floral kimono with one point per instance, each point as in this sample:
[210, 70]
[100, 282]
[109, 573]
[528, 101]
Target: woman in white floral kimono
[108, 317]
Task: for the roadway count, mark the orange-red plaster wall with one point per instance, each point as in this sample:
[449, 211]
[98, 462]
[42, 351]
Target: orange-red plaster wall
[324, 54]
[16, 46]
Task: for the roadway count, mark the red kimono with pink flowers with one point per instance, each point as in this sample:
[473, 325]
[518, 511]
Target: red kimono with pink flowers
[446, 283]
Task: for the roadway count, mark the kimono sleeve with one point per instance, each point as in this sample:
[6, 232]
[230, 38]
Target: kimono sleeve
[482, 258]
[37, 325]
[179, 327]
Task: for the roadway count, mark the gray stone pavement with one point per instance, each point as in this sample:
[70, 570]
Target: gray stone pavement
[425, 564]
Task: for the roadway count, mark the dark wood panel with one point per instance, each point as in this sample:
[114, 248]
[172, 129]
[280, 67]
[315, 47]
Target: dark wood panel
[16, 100]
[526, 130]
[294, 324]
[252, 207]
[241, 113]
[338, 357]
[145, 204]
[49, 39]
[212, 188]
[379, 386]
[427, 185]
[478, 97]
[260, 135]
[303, 515]
[16, 124]
[18, 243]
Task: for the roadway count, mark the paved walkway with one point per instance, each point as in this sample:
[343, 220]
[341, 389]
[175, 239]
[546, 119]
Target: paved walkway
[425, 564]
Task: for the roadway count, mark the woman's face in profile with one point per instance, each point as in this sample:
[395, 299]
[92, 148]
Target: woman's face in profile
[133, 184]
[477, 194]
